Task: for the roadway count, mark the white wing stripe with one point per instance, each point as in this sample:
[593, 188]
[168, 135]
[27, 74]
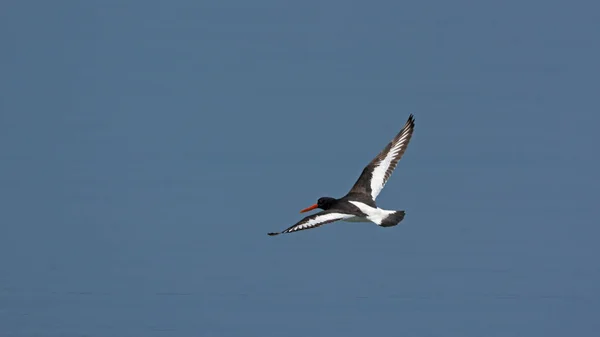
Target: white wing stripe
[320, 219]
[378, 175]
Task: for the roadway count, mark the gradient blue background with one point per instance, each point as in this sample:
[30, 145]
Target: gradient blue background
[147, 147]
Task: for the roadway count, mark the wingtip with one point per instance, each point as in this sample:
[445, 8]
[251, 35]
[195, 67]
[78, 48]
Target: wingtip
[411, 121]
[273, 234]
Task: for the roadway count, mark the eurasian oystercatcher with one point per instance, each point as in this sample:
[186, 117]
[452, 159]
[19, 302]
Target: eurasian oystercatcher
[359, 204]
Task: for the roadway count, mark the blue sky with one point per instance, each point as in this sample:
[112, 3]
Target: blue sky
[148, 147]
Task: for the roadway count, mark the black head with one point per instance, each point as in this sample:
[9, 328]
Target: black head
[323, 203]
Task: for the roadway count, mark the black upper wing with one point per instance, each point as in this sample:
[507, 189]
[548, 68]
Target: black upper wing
[315, 220]
[376, 174]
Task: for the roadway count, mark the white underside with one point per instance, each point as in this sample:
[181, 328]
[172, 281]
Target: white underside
[376, 215]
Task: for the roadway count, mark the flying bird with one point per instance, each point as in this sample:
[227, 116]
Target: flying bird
[358, 205]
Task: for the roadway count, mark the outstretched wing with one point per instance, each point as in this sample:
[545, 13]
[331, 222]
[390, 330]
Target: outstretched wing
[376, 174]
[315, 220]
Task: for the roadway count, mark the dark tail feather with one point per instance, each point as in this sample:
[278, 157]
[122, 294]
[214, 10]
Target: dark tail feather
[393, 219]
[273, 234]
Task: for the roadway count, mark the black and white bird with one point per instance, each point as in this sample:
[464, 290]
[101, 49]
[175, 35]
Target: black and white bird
[359, 204]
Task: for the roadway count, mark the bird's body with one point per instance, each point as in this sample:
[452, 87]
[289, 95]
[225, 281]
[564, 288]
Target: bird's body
[358, 205]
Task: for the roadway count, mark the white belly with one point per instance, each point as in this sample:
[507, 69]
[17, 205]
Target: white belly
[375, 215]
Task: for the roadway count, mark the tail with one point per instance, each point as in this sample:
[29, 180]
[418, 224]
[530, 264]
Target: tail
[392, 219]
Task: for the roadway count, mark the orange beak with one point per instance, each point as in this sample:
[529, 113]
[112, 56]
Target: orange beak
[309, 208]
